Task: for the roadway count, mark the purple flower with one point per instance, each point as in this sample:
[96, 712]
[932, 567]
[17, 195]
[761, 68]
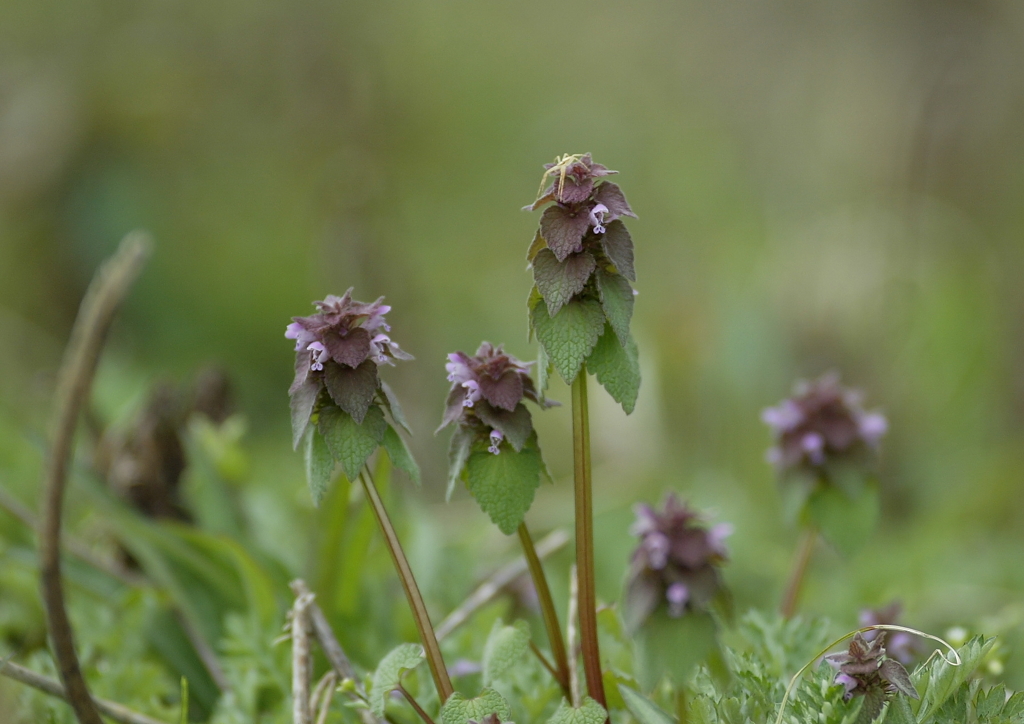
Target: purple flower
[676, 562]
[345, 331]
[492, 375]
[866, 669]
[822, 421]
[903, 646]
[597, 218]
[496, 437]
[339, 349]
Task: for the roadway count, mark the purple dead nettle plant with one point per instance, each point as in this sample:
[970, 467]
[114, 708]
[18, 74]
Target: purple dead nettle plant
[825, 454]
[580, 309]
[338, 402]
[865, 670]
[494, 451]
[676, 564]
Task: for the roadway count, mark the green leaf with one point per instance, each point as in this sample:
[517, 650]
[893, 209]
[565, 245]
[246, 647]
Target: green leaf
[351, 389]
[643, 710]
[459, 710]
[458, 453]
[589, 712]
[938, 681]
[400, 455]
[899, 712]
[389, 673]
[391, 400]
[617, 368]
[560, 281]
[504, 647]
[350, 443]
[569, 337]
[616, 301]
[319, 464]
[302, 400]
[504, 484]
[673, 647]
[535, 247]
[544, 370]
[845, 522]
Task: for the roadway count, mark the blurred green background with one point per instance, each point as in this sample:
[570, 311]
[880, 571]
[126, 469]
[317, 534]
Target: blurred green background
[819, 185]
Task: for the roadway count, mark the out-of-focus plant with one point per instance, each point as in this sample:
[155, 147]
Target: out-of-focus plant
[825, 455]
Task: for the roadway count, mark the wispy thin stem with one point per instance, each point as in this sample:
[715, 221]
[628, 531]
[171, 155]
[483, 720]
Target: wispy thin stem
[110, 709]
[796, 577]
[547, 608]
[74, 381]
[412, 592]
[585, 539]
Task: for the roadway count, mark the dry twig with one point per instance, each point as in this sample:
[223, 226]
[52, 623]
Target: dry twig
[107, 290]
[120, 714]
[502, 577]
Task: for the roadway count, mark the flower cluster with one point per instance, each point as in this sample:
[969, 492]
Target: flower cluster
[864, 669]
[582, 258]
[339, 349]
[676, 563]
[822, 421]
[486, 396]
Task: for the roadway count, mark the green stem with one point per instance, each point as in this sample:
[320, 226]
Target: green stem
[547, 608]
[415, 705]
[412, 592]
[682, 711]
[585, 539]
[796, 578]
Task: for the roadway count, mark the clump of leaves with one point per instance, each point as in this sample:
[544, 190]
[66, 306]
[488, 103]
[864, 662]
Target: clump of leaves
[494, 447]
[864, 670]
[582, 259]
[338, 390]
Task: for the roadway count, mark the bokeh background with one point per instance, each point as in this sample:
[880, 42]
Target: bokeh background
[820, 186]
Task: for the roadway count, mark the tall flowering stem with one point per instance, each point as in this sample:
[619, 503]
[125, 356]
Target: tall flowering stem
[585, 539]
[805, 548]
[438, 670]
[547, 608]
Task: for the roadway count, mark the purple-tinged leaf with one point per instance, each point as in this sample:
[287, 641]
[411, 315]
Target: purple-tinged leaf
[618, 245]
[573, 191]
[892, 671]
[351, 349]
[302, 401]
[516, 425]
[351, 389]
[563, 229]
[504, 392]
[459, 448]
[453, 408]
[559, 281]
[611, 196]
[301, 370]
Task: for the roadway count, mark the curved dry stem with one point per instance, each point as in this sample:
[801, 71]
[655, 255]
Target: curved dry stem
[112, 710]
[956, 661]
[106, 292]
